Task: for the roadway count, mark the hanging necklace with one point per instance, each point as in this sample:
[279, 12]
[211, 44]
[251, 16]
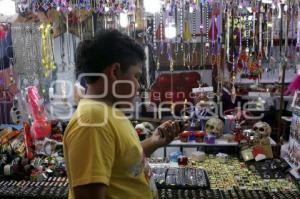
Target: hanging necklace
[161, 31]
[194, 58]
[271, 51]
[62, 52]
[298, 31]
[176, 47]
[219, 78]
[260, 32]
[156, 58]
[47, 60]
[201, 27]
[228, 34]
[292, 22]
[213, 34]
[253, 25]
[245, 55]
[169, 47]
[287, 31]
[181, 31]
[233, 91]
[207, 45]
[170, 56]
[269, 25]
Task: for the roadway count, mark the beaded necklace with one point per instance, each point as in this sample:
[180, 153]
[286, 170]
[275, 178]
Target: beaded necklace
[46, 49]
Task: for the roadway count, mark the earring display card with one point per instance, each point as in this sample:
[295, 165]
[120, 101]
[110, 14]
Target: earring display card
[270, 169]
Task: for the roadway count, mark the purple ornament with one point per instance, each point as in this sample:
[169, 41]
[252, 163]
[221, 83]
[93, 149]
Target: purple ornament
[210, 139]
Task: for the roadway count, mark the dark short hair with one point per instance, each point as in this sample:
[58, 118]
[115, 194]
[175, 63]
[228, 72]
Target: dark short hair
[107, 47]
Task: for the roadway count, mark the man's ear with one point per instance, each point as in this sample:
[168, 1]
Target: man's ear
[114, 71]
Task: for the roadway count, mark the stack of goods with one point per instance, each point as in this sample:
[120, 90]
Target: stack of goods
[224, 173]
[23, 158]
[189, 193]
[54, 188]
[236, 174]
[235, 193]
[179, 177]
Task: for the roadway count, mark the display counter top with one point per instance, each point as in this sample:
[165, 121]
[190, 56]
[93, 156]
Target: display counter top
[219, 142]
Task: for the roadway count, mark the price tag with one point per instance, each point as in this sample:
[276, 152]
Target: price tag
[203, 89]
[259, 94]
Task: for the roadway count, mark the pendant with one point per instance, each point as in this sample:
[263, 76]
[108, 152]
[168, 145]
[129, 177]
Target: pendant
[233, 94]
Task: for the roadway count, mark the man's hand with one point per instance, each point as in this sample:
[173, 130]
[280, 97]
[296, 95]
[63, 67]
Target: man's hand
[165, 133]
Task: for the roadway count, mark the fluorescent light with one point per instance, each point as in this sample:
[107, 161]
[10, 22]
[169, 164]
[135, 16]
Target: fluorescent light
[170, 31]
[152, 6]
[7, 7]
[267, 1]
[123, 20]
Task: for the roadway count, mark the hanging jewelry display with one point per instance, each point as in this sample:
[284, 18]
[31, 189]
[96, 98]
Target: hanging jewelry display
[27, 53]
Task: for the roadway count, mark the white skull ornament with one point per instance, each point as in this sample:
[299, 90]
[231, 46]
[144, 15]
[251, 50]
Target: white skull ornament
[215, 126]
[262, 129]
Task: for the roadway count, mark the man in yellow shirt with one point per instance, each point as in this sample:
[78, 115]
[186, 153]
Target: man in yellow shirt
[104, 158]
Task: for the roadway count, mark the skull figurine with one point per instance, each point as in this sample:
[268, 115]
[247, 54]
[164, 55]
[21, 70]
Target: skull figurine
[262, 129]
[214, 126]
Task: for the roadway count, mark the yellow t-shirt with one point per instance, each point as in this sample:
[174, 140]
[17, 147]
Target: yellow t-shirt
[101, 146]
